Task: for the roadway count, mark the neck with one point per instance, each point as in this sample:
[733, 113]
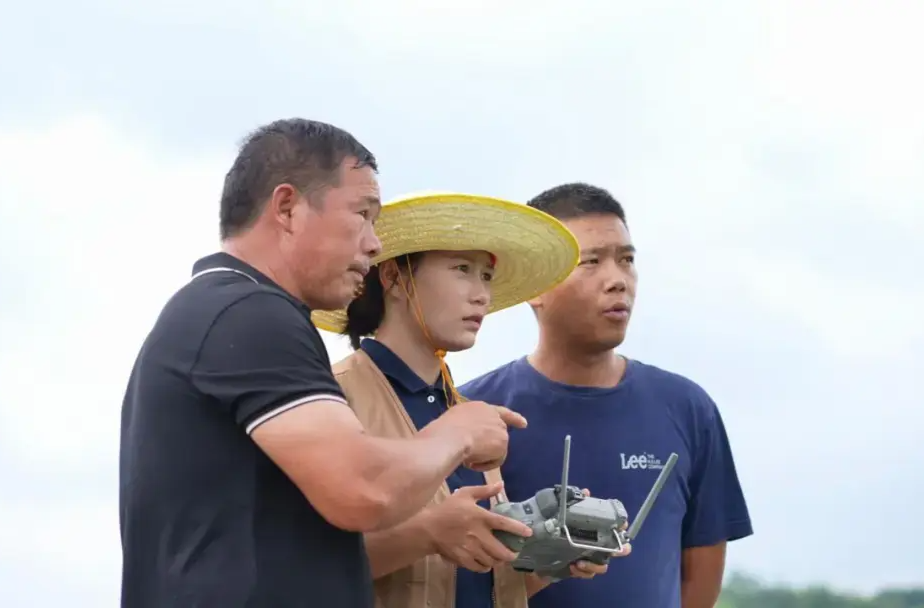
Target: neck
[248, 251]
[563, 363]
[405, 342]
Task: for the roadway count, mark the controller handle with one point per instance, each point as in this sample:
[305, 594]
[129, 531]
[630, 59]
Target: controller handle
[559, 575]
[514, 542]
[600, 558]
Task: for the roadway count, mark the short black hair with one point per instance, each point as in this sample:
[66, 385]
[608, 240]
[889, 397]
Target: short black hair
[577, 199]
[365, 313]
[301, 152]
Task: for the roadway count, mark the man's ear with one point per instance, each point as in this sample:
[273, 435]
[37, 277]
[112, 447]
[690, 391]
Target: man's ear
[535, 303]
[282, 205]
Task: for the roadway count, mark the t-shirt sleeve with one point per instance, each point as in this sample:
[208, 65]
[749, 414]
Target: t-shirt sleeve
[262, 357]
[717, 510]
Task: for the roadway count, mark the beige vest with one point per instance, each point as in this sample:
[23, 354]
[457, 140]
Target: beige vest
[430, 582]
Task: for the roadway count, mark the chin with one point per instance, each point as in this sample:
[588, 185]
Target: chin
[332, 300]
[611, 341]
[458, 343]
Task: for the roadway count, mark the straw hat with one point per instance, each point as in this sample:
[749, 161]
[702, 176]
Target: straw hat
[534, 251]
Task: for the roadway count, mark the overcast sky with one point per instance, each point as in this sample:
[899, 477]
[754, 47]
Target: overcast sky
[770, 156]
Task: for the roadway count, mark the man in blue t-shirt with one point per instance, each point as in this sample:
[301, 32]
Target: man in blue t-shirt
[625, 418]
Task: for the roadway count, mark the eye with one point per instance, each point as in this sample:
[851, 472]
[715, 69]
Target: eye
[589, 261]
[630, 259]
[487, 277]
[464, 268]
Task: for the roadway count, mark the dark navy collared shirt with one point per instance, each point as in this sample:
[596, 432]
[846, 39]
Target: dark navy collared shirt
[207, 519]
[424, 403]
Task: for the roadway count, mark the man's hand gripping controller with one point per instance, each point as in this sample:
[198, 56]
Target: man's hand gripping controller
[569, 526]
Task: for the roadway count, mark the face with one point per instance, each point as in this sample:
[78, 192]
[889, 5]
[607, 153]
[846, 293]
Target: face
[592, 307]
[453, 290]
[329, 240]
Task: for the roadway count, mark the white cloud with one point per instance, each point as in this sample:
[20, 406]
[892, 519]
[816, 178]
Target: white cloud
[853, 317]
[107, 233]
[65, 549]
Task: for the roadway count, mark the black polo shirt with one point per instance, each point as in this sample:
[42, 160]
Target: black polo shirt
[425, 403]
[207, 520]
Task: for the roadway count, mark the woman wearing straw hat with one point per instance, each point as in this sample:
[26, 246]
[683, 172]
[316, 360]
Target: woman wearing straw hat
[448, 260]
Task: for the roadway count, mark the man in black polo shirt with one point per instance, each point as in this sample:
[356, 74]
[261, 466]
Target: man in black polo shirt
[245, 480]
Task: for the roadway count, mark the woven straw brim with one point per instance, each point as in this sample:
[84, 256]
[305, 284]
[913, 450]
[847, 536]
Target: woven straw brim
[534, 251]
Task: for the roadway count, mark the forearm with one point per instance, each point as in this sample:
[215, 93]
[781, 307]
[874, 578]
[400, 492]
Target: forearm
[699, 594]
[407, 473]
[400, 546]
[535, 584]
[702, 569]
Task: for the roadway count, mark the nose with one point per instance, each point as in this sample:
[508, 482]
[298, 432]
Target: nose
[615, 279]
[482, 295]
[371, 244]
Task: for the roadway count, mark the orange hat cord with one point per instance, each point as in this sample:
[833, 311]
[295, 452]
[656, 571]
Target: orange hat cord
[449, 388]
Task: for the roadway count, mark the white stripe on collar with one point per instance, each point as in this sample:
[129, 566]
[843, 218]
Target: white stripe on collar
[221, 269]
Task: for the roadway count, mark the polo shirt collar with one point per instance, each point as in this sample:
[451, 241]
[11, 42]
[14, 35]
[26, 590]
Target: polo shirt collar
[226, 261]
[395, 369]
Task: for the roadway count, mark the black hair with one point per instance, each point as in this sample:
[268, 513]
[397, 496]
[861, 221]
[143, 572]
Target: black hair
[577, 199]
[304, 153]
[365, 313]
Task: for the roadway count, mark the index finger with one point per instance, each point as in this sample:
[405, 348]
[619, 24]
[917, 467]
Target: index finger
[508, 524]
[510, 417]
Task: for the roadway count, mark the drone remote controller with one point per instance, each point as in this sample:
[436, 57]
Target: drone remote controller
[569, 526]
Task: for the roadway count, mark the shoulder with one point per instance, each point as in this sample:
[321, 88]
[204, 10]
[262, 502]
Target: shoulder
[224, 314]
[264, 305]
[349, 367]
[262, 314]
[223, 298]
[673, 388]
[489, 385]
[257, 327]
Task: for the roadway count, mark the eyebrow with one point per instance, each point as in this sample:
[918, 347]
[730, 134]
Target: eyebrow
[621, 249]
[470, 257]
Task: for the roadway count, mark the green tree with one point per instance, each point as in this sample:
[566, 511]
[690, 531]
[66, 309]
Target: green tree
[744, 591]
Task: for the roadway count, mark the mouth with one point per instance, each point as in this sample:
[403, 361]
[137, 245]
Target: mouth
[473, 320]
[361, 270]
[617, 312]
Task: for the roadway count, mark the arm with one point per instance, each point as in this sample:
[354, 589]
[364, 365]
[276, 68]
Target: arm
[356, 481]
[268, 369]
[458, 529]
[398, 547]
[535, 584]
[717, 513]
[702, 569]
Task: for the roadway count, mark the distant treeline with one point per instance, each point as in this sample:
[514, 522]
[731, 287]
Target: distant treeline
[742, 591]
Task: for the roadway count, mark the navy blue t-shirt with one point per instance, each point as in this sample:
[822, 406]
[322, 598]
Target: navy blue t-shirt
[424, 403]
[620, 438]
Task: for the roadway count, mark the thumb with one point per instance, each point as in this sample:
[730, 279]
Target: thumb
[484, 492]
